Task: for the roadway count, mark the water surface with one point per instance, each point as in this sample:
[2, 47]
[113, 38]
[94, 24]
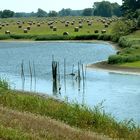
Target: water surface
[120, 92]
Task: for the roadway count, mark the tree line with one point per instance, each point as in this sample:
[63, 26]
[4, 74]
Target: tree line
[104, 8]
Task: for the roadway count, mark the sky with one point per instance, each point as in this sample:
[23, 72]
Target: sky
[47, 5]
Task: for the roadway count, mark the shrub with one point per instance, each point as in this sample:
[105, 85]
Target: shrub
[138, 23]
[4, 37]
[116, 59]
[4, 84]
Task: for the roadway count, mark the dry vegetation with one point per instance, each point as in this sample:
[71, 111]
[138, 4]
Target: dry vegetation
[25, 125]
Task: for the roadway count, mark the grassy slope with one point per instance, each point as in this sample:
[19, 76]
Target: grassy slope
[134, 51]
[73, 115]
[15, 125]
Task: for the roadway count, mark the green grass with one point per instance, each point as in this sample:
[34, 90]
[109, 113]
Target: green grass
[133, 64]
[44, 29]
[130, 50]
[94, 119]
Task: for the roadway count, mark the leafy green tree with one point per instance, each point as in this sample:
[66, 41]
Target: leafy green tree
[103, 9]
[65, 12]
[87, 12]
[52, 14]
[116, 9]
[41, 13]
[0, 14]
[7, 14]
[107, 9]
[130, 7]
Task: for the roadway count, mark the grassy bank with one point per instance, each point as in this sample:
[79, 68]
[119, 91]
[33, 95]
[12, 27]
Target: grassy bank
[129, 50]
[75, 115]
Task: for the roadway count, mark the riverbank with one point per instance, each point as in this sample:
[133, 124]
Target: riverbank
[35, 111]
[35, 126]
[114, 68]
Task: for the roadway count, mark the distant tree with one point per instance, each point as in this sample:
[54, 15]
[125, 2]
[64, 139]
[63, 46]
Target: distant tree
[23, 14]
[52, 14]
[116, 9]
[130, 7]
[107, 9]
[103, 9]
[41, 13]
[65, 12]
[7, 14]
[0, 14]
[76, 12]
[87, 12]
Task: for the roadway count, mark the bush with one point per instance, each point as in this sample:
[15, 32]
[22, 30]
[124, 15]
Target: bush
[118, 59]
[4, 37]
[22, 36]
[138, 23]
[52, 37]
[4, 84]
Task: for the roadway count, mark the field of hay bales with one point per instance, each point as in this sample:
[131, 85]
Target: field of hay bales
[58, 26]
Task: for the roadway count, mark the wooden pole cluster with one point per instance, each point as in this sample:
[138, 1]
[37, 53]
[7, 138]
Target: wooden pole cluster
[55, 76]
[22, 75]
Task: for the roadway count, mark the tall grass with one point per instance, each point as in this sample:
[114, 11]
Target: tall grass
[4, 84]
[72, 114]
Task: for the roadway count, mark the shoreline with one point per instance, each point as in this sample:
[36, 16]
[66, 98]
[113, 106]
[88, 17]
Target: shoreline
[104, 66]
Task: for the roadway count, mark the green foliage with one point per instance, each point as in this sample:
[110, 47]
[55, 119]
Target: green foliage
[4, 84]
[7, 14]
[123, 27]
[4, 37]
[106, 9]
[130, 7]
[41, 13]
[12, 134]
[73, 114]
[65, 12]
[118, 59]
[87, 12]
[138, 24]
[52, 14]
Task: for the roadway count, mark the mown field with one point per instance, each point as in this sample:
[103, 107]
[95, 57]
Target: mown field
[49, 26]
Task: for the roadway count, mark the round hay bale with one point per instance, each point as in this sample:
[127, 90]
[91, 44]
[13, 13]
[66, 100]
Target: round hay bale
[0, 27]
[28, 27]
[25, 31]
[72, 23]
[38, 24]
[76, 29]
[103, 31]
[96, 31]
[3, 25]
[106, 25]
[80, 26]
[65, 33]
[66, 25]
[51, 26]
[20, 26]
[7, 24]
[30, 23]
[89, 23]
[7, 32]
[54, 29]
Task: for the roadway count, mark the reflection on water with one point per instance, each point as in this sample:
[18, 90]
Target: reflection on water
[120, 92]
